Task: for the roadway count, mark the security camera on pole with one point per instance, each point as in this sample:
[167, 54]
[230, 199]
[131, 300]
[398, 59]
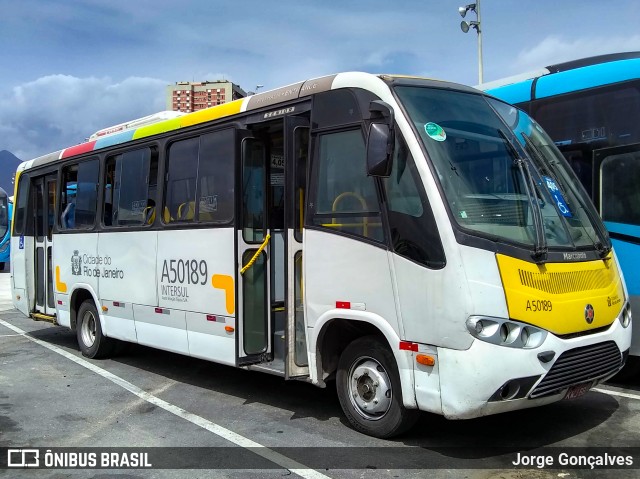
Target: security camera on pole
[465, 25]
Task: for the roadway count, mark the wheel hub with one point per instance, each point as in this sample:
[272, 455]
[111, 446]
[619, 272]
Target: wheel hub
[370, 388]
[88, 329]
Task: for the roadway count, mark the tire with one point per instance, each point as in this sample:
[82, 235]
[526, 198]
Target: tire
[369, 390]
[93, 344]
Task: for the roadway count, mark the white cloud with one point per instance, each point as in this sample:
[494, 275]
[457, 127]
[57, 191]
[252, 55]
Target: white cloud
[57, 111]
[556, 49]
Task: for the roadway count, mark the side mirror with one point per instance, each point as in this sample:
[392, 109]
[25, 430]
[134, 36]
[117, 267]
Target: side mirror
[381, 142]
[379, 150]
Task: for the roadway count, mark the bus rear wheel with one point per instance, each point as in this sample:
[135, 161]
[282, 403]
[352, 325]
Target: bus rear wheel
[368, 387]
[93, 343]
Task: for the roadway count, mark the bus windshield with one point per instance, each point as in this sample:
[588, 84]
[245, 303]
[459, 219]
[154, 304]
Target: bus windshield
[501, 175]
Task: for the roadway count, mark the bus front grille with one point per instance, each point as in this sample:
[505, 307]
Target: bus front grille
[580, 365]
[565, 282]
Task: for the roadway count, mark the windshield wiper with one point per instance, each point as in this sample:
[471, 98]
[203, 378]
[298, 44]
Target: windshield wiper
[599, 246]
[540, 248]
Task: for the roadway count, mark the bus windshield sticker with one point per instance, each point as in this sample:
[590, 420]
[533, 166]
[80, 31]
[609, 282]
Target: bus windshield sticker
[557, 197]
[435, 131]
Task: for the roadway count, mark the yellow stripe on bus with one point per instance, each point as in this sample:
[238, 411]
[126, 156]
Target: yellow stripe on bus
[213, 113]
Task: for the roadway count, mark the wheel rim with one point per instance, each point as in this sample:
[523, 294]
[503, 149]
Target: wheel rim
[88, 329]
[370, 389]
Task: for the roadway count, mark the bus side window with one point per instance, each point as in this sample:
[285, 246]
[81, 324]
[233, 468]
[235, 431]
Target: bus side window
[215, 195]
[620, 176]
[79, 195]
[345, 197]
[180, 188]
[414, 233]
[126, 196]
[21, 206]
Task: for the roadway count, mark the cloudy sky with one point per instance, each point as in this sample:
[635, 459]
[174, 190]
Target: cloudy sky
[71, 67]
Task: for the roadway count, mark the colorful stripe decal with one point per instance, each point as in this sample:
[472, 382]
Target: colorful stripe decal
[78, 149]
[155, 128]
[114, 139]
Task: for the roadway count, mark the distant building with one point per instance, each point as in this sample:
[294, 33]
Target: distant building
[193, 96]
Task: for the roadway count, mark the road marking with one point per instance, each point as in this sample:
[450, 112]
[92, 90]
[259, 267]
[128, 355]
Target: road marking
[9, 335]
[269, 454]
[616, 393]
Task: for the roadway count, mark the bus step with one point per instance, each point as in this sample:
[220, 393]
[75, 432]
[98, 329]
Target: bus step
[44, 317]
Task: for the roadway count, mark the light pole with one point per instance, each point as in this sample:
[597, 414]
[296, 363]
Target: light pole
[464, 26]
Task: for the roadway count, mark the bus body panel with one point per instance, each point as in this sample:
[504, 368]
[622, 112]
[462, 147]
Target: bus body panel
[119, 320]
[126, 262]
[433, 303]
[22, 273]
[209, 338]
[628, 254]
[161, 328]
[184, 274]
[332, 287]
[486, 291]
[76, 258]
[63, 310]
[428, 388]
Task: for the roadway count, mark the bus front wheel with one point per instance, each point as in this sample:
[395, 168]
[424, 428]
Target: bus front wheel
[368, 387]
[93, 344]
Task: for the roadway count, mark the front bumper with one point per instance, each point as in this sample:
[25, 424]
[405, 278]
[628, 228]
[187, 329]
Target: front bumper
[472, 381]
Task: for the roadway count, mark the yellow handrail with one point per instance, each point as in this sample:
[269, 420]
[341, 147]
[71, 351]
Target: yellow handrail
[255, 256]
[340, 197]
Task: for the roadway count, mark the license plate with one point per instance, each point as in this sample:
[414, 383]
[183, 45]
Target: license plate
[578, 390]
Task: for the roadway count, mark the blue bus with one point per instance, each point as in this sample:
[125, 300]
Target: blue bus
[591, 109]
[6, 208]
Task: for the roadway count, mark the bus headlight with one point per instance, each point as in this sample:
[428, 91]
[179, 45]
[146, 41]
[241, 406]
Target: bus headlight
[505, 332]
[625, 316]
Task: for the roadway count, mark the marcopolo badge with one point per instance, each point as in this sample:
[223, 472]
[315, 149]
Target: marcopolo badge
[589, 314]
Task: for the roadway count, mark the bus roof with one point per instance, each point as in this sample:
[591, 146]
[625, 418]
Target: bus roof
[566, 77]
[268, 98]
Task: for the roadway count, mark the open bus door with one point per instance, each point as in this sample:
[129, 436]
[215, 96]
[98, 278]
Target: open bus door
[44, 194]
[254, 335]
[272, 180]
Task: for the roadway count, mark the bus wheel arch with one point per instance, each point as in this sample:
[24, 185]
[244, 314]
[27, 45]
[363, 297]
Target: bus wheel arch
[334, 337]
[78, 296]
[369, 388]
